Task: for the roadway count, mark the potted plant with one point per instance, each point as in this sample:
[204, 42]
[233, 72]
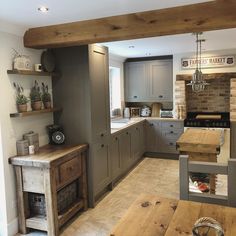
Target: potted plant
[35, 97]
[46, 97]
[21, 99]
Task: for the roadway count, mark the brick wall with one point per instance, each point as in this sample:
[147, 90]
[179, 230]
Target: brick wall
[180, 98]
[215, 97]
[233, 100]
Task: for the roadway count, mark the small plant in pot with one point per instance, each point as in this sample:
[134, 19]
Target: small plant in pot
[21, 99]
[35, 97]
[46, 97]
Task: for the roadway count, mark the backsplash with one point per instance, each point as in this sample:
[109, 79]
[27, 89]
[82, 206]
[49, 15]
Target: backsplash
[215, 97]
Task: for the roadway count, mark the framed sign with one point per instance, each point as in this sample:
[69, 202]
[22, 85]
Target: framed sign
[208, 62]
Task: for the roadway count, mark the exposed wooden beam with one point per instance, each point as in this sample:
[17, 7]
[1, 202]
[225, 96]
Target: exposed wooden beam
[215, 15]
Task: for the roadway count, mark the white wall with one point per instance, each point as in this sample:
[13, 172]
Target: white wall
[177, 62]
[13, 128]
[117, 61]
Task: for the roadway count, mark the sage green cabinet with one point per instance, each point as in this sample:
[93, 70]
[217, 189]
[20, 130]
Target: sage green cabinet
[135, 81]
[125, 150]
[152, 135]
[149, 81]
[115, 156]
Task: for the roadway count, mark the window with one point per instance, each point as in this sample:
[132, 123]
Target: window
[115, 91]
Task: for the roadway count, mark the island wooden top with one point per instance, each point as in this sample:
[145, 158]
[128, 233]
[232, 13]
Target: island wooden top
[152, 215]
[47, 156]
[199, 140]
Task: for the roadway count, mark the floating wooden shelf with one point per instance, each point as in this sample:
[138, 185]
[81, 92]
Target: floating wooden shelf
[29, 72]
[32, 113]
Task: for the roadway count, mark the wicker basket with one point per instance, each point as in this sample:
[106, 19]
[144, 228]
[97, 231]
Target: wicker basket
[65, 198]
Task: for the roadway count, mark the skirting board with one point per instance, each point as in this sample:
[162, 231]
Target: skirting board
[170, 156]
[12, 227]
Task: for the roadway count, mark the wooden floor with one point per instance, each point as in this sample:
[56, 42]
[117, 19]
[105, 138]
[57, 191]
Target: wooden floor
[153, 176]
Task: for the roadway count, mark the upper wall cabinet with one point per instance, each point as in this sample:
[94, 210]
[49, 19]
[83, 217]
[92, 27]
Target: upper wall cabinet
[149, 81]
[135, 77]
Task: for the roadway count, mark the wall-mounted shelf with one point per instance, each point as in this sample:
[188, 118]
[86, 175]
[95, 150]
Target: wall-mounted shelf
[29, 72]
[32, 113]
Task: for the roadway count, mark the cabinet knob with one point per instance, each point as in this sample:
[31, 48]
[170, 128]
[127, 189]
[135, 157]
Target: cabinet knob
[135, 96]
[151, 124]
[136, 128]
[171, 144]
[116, 138]
[102, 146]
[160, 96]
[102, 135]
[171, 132]
[171, 125]
[127, 132]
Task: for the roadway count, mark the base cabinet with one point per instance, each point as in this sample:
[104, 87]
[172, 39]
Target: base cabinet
[125, 150]
[161, 136]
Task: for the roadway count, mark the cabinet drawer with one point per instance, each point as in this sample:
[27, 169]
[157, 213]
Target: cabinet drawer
[171, 134]
[172, 125]
[69, 170]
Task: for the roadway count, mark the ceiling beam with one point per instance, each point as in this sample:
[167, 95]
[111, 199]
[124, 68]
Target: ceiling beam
[214, 15]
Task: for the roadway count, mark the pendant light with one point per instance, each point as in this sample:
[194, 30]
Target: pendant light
[198, 83]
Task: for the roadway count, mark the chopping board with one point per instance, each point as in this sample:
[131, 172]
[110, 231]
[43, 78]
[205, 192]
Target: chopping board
[156, 108]
[208, 117]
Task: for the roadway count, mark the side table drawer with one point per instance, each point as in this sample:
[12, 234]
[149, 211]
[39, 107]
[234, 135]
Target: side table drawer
[69, 171]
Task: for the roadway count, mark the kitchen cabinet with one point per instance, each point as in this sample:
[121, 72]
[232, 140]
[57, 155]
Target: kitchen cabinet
[125, 149]
[135, 81]
[161, 136]
[149, 81]
[161, 80]
[115, 154]
[83, 93]
[233, 139]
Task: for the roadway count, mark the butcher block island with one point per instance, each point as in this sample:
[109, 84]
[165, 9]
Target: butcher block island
[201, 145]
[51, 186]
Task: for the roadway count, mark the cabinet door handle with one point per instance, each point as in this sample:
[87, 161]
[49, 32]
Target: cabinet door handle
[171, 132]
[116, 138]
[151, 124]
[127, 133]
[171, 125]
[171, 144]
[102, 135]
[135, 96]
[160, 96]
[102, 146]
[136, 128]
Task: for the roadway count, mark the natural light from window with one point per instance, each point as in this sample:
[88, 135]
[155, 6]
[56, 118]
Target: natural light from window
[115, 91]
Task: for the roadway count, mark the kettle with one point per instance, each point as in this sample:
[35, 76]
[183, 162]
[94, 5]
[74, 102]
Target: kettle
[126, 112]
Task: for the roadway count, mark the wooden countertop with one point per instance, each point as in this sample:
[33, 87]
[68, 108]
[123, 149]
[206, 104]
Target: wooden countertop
[199, 140]
[152, 215]
[47, 155]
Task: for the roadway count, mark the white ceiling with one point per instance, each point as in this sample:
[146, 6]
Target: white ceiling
[25, 14]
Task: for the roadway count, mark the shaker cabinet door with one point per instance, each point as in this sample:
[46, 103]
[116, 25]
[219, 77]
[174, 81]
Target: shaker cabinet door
[98, 60]
[135, 81]
[161, 80]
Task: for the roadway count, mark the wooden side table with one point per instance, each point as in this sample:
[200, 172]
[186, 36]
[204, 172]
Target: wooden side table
[40, 180]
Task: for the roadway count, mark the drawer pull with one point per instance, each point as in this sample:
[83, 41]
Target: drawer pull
[135, 96]
[102, 146]
[151, 125]
[161, 96]
[171, 125]
[171, 132]
[102, 135]
[171, 144]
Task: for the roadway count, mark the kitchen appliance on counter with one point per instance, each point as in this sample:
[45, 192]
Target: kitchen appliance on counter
[126, 112]
[212, 120]
[166, 113]
[145, 111]
[135, 111]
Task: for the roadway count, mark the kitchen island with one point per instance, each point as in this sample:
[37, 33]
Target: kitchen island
[201, 145]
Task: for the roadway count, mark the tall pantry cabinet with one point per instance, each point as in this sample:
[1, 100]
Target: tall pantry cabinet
[83, 93]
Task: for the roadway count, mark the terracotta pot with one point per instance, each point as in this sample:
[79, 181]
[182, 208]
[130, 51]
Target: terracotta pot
[22, 107]
[47, 105]
[36, 105]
